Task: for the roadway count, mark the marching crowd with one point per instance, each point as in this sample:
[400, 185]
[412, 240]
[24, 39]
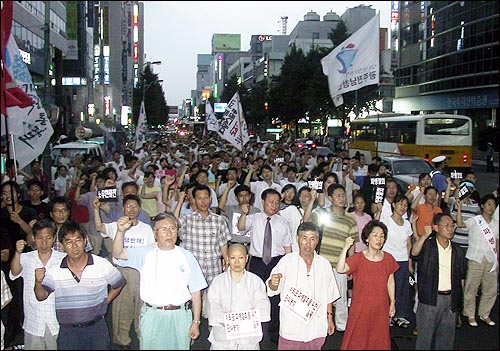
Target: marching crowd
[272, 240]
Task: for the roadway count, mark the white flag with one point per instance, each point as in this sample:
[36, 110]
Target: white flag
[210, 119]
[354, 63]
[140, 131]
[233, 126]
[30, 126]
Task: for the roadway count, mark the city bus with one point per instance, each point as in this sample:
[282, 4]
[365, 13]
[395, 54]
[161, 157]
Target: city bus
[425, 136]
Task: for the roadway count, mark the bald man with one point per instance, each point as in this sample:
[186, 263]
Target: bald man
[236, 290]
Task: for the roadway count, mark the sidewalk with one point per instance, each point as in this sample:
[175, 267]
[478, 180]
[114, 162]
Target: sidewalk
[479, 158]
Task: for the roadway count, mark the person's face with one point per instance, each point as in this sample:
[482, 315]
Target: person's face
[489, 207]
[60, 213]
[376, 238]
[243, 197]
[202, 200]
[445, 228]
[430, 197]
[391, 190]
[288, 195]
[100, 182]
[44, 239]
[400, 207]
[338, 198]
[237, 258]
[231, 175]
[425, 182]
[111, 175]
[36, 168]
[74, 245]
[267, 174]
[116, 157]
[129, 190]
[271, 204]
[63, 171]
[35, 192]
[8, 197]
[329, 181]
[202, 178]
[307, 240]
[304, 198]
[471, 178]
[362, 160]
[131, 209]
[205, 160]
[359, 204]
[150, 180]
[291, 175]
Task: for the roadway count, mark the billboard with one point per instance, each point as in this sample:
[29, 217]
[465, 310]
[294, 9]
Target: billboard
[226, 43]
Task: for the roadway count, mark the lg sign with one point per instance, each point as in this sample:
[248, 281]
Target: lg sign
[265, 38]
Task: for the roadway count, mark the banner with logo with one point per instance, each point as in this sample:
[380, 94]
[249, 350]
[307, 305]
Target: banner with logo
[354, 64]
[27, 120]
[233, 126]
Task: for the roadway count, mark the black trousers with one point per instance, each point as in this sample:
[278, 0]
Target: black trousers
[264, 271]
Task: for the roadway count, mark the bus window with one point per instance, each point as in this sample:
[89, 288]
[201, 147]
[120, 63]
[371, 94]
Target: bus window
[446, 126]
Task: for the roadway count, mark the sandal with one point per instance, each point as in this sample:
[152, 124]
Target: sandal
[399, 323]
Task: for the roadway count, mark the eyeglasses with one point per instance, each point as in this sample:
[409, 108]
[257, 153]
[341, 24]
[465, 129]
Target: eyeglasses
[60, 210]
[165, 228]
[71, 243]
[131, 206]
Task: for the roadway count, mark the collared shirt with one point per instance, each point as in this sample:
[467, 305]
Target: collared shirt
[319, 283]
[469, 210]
[478, 246]
[258, 188]
[37, 314]
[444, 278]
[203, 237]
[281, 234]
[84, 300]
[167, 276]
[336, 228]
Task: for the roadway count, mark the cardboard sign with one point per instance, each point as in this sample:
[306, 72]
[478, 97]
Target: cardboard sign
[244, 324]
[300, 304]
[379, 194]
[107, 194]
[463, 192]
[315, 184]
[456, 175]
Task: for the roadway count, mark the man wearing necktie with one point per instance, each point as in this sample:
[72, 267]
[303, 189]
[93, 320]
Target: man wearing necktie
[270, 239]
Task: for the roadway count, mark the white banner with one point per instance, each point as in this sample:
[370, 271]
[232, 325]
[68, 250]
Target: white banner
[354, 63]
[140, 131]
[30, 125]
[210, 119]
[233, 126]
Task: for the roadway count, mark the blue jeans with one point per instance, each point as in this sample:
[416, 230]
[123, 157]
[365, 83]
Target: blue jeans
[402, 289]
[92, 337]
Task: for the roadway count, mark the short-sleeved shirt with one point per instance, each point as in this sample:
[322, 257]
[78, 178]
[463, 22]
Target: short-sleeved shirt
[167, 276]
[425, 216]
[336, 228]
[281, 235]
[203, 237]
[84, 300]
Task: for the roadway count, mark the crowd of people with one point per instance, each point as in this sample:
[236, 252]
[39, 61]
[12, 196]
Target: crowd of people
[272, 240]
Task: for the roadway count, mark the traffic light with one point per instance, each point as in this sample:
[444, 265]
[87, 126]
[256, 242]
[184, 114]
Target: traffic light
[265, 105]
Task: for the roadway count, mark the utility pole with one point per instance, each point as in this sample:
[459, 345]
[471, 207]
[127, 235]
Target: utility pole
[46, 157]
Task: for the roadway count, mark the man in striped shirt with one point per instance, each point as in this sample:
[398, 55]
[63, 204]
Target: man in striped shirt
[336, 226]
[80, 284]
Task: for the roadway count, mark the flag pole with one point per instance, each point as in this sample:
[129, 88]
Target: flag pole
[240, 115]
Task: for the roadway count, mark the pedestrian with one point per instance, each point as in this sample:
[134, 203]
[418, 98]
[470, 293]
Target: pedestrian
[170, 315]
[426, 211]
[489, 158]
[84, 284]
[438, 177]
[6, 299]
[270, 240]
[205, 234]
[482, 264]
[236, 290]
[304, 276]
[441, 274]
[40, 322]
[259, 186]
[336, 224]
[126, 307]
[373, 293]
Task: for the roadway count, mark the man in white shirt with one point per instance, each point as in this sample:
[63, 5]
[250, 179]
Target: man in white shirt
[258, 187]
[41, 327]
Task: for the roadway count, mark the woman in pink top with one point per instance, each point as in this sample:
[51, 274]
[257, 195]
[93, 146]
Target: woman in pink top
[362, 218]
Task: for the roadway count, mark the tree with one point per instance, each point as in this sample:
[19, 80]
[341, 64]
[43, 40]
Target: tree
[155, 103]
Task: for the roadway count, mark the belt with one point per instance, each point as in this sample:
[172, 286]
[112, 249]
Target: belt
[446, 292]
[186, 306]
[87, 324]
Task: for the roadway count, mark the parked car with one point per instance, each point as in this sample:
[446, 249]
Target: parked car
[406, 169]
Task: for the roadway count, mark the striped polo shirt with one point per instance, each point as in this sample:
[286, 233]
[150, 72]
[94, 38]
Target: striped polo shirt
[85, 300]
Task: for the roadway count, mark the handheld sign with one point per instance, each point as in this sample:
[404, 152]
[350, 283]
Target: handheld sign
[107, 194]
